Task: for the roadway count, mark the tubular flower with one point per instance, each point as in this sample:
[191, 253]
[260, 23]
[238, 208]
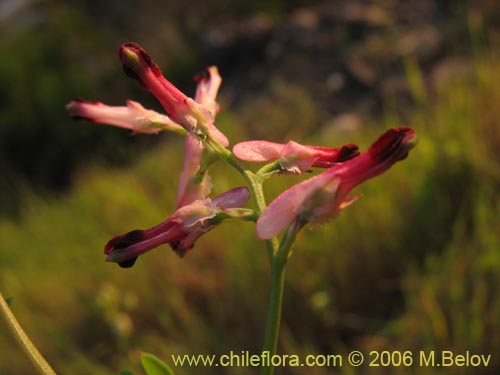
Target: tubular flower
[323, 196]
[207, 89]
[294, 157]
[193, 184]
[181, 230]
[193, 116]
[133, 116]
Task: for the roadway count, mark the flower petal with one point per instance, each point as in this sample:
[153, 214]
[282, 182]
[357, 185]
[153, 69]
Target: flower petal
[288, 205]
[324, 195]
[128, 246]
[258, 151]
[191, 115]
[236, 197]
[217, 135]
[207, 88]
[327, 157]
[392, 146]
[297, 158]
[196, 212]
[294, 157]
[139, 65]
[187, 243]
[190, 189]
[134, 116]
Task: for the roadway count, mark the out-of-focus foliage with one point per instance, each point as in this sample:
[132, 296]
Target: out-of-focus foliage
[49, 55]
[412, 265]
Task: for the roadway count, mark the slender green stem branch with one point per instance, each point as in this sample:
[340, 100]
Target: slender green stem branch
[278, 252]
[258, 192]
[274, 313]
[270, 168]
[255, 181]
[283, 252]
[278, 264]
[23, 340]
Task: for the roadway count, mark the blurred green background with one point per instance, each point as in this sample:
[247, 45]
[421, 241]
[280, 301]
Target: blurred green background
[414, 265]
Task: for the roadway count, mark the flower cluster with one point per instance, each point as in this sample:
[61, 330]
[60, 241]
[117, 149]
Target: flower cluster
[318, 198]
[323, 196]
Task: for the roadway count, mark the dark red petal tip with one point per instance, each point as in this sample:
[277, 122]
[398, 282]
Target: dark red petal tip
[126, 52]
[123, 241]
[394, 143]
[179, 249]
[127, 263]
[348, 151]
[202, 76]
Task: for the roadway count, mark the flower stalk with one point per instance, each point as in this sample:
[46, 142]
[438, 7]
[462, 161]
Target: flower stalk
[23, 340]
[274, 311]
[278, 268]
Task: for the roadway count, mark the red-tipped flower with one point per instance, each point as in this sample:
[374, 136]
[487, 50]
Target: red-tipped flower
[133, 116]
[193, 116]
[323, 196]
[294, 157]
[181, 230]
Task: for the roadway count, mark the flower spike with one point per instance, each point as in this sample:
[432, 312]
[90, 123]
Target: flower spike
[323, 196]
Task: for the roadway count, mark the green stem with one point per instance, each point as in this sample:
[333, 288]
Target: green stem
[278, 252]
[274, 312]
[270, 169]
[23, 340]
[255, 181]
[278, 265]
[258, 193]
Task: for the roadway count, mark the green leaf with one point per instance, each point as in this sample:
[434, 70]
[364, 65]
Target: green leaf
[126, 372]
[155, 366]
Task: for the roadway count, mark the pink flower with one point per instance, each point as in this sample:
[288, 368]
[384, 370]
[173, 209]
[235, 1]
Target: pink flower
[194, 185]
[294, 157]
[180, 230]
[207, 89]
[133, 116]
[323, 196]
[193, 116]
